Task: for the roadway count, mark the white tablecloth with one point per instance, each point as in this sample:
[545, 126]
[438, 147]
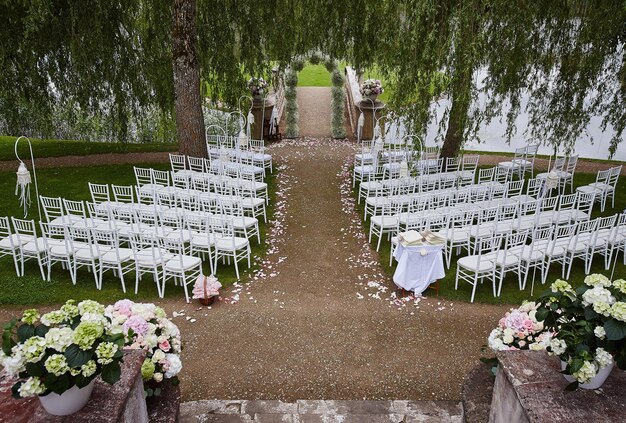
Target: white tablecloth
[418, 266]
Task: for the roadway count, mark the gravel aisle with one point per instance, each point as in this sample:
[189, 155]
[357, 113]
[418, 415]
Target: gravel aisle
[314, 110]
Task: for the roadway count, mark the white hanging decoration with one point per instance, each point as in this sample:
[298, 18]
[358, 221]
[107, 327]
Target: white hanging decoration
[250, 118]
[243, 139]
[24, 180]
[377, 131]
[22, 187]
[224, 155]
[361, 120]
[404, 169]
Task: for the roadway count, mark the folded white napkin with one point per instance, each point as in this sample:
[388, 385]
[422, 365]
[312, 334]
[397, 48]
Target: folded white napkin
[410, 238]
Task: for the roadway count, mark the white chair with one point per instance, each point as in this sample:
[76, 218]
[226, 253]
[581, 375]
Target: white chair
[384, 223]
[617, 240]
[456, 233]
[565, 209]
[604, 186]
[32, 247]
[557, 247]
[486, 220]
[227, 245]
[202, 239]
[567, 176]
[599, 242]
[508, 259]
[53, 210]
[101, 196]
[181, 267]
[9, 243]
[57, 245]
[468, 169]
[111, 255]
[515, 165]
[532, 256]
[579, 244]
[144, 179]
[85, 251]
[149, 258]
[474, 268]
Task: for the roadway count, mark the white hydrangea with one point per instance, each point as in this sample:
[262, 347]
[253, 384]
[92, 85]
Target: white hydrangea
[495, 340]
[15, 363]
[618, 311]
[558, 346]
[95, 318]
[600, 298]
[586, 372]
[599, 332]
[31, 387]
[158, 356]
[597, 279]
[59, 338]
[144, 310]
[175, 365]
[603, 358]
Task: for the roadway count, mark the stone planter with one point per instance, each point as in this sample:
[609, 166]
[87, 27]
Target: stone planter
[69, 402]
[596, 382]
[372, 97]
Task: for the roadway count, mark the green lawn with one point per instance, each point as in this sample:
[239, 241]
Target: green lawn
[511, 293]
[57, 148]
[314, 76]
[71, 183]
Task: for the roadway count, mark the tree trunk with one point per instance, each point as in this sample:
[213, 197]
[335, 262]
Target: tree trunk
[461, 99]
[186, 68]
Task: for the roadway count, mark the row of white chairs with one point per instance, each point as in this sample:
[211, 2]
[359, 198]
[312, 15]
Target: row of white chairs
[520, 252]
[241, 148]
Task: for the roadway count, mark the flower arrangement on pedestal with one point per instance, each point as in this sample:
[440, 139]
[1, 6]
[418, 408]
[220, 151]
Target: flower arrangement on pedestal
[519, 329]
[258, 87]
[371, 88]
[146, 326]
[60, 353]
[206, 289]
[590, 327]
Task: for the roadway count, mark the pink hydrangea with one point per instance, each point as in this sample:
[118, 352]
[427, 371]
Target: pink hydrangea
[124, 307]
[137, 324]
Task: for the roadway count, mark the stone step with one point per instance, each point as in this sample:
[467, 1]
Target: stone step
[321, 411]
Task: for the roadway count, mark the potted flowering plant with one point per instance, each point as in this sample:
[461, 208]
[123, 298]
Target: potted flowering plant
[56, 356]
[258, 87]
[206, 289]
[371, 88]
[519, 329]
[146, 326]
[590, 327]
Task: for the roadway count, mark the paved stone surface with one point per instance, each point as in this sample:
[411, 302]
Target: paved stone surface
[529, 385]
[476, 393]
[324, 411]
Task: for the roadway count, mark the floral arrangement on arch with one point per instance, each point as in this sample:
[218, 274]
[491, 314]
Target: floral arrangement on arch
[257, 86]
[590, 325]
[519, 329]
[371, 87]
[146, 326]
[61, 349]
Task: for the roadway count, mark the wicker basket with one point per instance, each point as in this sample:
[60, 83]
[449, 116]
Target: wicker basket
[206, 301]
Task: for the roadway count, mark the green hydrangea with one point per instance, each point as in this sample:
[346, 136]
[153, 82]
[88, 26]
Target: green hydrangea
[70, 309]
[560, 286]
[597, 279]
[30, 316]
[147, 369]
[160, 313]
[59, 338]
[89, 368]
[86, 333]
[54, 318]
[105, 352]
[34, 349]
[621, 285]
[57, 364]
[90, 306]
[618, 311]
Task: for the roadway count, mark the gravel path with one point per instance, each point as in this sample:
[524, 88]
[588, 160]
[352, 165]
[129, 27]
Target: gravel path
[314, 110]
[319, 320]
[90, 160]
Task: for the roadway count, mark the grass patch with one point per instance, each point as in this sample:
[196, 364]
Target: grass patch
[314, 76]
[511, 294]
[58, 148]
[71, 183]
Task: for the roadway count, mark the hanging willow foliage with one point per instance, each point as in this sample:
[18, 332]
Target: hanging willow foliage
[113, 58]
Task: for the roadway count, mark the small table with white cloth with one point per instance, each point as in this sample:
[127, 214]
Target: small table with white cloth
[418, 266]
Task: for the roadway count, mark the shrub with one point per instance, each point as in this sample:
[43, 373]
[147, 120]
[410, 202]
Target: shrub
[291, 78]
[330, 64]
[315, 58]
[297, 64]
[337, 78]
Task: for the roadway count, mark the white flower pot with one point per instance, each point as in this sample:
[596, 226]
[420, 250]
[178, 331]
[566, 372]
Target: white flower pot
[69, 402]
[595, 382]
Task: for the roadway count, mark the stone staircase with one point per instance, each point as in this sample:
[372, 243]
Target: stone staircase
[321, 411]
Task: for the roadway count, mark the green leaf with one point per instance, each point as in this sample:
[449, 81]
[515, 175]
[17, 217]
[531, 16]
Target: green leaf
[542, 313]
[7, 342]
[615, 330]
[576, 365]
[157, 392]
[25, 332]
[15, 389]
[41, 330]
[61, 385]
[111, 373]
[36, 369]
[76, 357]
[572, 386]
